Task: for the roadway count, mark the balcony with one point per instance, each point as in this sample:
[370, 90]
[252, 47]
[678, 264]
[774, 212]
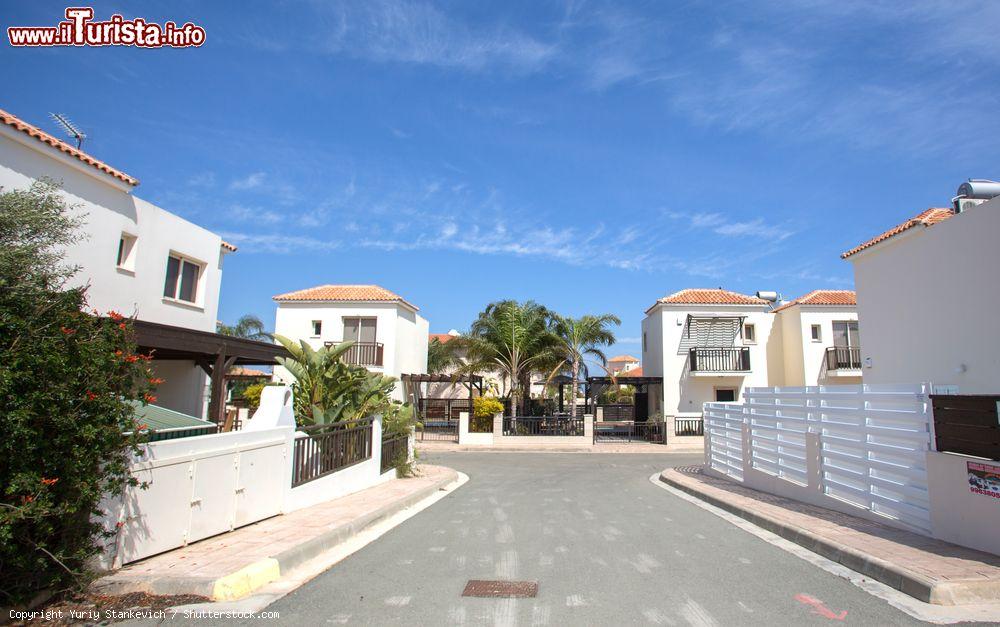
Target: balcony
[734, 359]
[362, 353]
[843, 358]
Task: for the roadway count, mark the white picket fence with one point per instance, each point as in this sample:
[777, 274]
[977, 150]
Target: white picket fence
[861, 445]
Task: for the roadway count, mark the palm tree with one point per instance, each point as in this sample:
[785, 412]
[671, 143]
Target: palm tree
[512, 338]
[441, 356]
[249, 327]
[579, 338]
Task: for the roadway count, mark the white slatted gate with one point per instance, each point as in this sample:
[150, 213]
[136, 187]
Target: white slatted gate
[872, 442]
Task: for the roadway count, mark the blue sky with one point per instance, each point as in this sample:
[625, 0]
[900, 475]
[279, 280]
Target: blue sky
[592, 156]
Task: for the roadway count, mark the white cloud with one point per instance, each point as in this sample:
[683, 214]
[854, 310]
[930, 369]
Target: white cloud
[251, 181]
[721, 225]
[252, 215]
[278, 243]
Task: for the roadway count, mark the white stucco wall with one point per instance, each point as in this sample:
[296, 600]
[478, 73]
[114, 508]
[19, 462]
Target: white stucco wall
[804, 359]
[683, 392]
[110, 211]
[402, 332]
[928, 302]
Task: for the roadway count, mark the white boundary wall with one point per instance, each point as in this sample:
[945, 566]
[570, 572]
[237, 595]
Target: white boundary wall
[202, 486]
[858, 449]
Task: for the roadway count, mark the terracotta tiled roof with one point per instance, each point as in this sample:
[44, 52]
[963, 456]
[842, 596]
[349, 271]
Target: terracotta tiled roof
[33, 131]
[925, 218]
[228, 246]
[623, 358]
[240, 371]
[634, 372]
[846, 298]
[444, 338]
[698, 296]
[362, 293]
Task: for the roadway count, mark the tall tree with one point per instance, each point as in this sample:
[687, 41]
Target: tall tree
[249, 327]
[442, 356]
[512, 338]
[579, 338]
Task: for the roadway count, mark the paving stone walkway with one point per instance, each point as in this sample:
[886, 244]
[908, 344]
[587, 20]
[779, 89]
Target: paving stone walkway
[931, 570]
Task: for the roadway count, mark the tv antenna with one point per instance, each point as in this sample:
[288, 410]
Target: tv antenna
[70, 128]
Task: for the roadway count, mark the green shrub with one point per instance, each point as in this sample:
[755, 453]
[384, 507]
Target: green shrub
[486, 406]
[68, 384]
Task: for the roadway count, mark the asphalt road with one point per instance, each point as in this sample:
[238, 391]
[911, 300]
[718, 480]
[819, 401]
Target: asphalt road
[605, 546]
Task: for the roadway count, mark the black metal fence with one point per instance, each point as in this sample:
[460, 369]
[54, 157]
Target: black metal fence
[444, 430]
[329, 448]
[689, 426]
[843, 358]
[967, 424]
[543, 425]
[394, 450]
[649, 431]
[736, 359]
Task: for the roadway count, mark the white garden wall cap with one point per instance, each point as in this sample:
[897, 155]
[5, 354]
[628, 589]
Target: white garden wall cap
[928, 217]
[349, 293]
[33, 131]
[823, 297]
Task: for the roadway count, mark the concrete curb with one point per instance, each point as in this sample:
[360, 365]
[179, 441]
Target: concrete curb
[246, 580]
[892, 575]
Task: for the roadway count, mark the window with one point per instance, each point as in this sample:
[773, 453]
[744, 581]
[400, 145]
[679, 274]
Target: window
[182, 279]
[846, 335]
[725, 395]
[361, 330]
[126, 252]
[749, 334]
[817, 333]
[317, 326]
[644, 341]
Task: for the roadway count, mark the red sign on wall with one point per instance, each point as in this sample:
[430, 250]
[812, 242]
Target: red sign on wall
[984, 479]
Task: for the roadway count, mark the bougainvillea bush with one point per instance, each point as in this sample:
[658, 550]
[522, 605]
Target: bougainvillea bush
[69, 381]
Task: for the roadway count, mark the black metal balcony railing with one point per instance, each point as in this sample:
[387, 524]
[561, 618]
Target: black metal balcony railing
[364, 354]
[843, 358]
[734, 359]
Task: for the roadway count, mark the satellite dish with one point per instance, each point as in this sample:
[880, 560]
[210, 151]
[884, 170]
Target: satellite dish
[70, 128]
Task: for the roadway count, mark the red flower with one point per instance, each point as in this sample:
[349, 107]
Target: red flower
[132, 358]
[149, 398]
[119, 525]
[91, 396]
[118, 353]
[122, 326]
[67, 331]
[27, 499]
[157, 381]
[148, 357]
[144, 426]
[50, 481]
[114, 315]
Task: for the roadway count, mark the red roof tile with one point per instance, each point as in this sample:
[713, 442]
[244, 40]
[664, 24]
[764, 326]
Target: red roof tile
[846, 298]
[699, 296]
[925, 218]
[444, 338]
[13, 121]
[228, 246]
[363, 293]
[625, 358]
[634, 372]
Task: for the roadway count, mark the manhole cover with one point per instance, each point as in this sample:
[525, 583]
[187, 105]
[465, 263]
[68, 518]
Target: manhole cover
[500, 589]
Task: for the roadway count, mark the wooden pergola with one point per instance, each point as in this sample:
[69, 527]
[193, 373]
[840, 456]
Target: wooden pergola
[213, 352]
[595, 385]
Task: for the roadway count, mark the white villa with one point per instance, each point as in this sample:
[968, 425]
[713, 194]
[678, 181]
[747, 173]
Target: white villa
[820, 340]
[390, 336]
[620, 364]
[708, 345]
[928, 296]
[137, 259]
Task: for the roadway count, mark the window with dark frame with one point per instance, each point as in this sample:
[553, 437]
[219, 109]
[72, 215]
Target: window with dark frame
[817, 333]
[725, 395]
[182, 279]
[317, 326]
[360, 330]
[126, 244]
[750, 333]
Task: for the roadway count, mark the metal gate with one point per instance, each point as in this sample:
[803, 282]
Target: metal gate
[620, 431]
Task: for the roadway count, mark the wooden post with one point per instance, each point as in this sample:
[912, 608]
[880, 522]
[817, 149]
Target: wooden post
[217, 399]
